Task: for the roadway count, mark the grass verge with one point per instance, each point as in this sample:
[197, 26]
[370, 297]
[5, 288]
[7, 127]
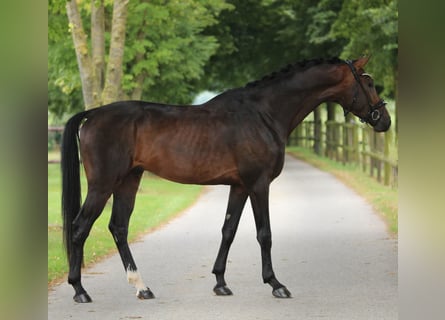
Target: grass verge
[158, 200]
[383, 199]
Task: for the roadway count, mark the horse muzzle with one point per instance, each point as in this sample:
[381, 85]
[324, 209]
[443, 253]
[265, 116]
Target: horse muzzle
[383, 124]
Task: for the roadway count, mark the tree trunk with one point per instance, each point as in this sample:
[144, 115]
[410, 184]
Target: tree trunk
[331, 111]
[113, 81]
[98, 42]
[137, 92]
[89, 85]
[330, 130]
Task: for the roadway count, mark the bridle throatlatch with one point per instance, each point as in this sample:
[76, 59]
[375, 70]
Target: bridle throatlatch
[374, 113]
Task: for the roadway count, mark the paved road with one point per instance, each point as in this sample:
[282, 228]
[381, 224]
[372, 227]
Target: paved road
[329, 248]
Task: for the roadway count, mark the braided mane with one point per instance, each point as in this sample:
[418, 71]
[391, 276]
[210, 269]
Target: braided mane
[293, 68]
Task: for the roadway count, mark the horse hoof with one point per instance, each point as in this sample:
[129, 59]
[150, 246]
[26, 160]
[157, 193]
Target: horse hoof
[82, 298]
[145, 294]
[222, 291]
[281, 293]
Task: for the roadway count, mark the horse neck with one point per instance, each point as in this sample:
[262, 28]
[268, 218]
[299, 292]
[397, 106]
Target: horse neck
[289, 101]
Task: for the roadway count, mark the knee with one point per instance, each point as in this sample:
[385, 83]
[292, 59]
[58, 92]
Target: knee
[119, 233]
[264, 237]
[228, 235]
[79, 234]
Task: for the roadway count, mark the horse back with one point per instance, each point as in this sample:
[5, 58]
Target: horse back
[186, 144]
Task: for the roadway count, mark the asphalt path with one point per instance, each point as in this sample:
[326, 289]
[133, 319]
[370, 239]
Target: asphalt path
[329, 248]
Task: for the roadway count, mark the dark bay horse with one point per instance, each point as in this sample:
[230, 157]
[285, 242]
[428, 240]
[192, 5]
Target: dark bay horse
[237, 138]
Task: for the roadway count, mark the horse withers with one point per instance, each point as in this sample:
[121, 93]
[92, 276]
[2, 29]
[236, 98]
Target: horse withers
[237, 138]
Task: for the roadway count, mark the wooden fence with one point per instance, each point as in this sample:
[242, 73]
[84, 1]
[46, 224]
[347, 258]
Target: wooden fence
[54, 136]
[375, 153]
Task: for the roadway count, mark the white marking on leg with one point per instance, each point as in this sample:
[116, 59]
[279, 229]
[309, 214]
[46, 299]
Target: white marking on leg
[135, 279]
[228, 216]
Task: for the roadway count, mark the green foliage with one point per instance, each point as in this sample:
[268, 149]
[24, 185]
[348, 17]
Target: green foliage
[259, 37]
[247, 45]
[165, 50]
[169, 49]
[64, 89]
[371, 28]
[174, 49]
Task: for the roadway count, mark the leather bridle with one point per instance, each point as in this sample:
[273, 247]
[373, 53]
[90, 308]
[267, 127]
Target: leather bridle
[374, 113]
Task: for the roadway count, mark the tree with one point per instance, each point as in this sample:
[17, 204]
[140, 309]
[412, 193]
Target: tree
[64, 87]
[371, 28]
[246, 45]
[90, 85]
[174, 49]
[169, 50]
[141, 49]
[258, 37]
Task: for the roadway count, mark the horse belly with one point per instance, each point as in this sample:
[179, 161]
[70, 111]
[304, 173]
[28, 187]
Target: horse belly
[193, 176]
[191, 163]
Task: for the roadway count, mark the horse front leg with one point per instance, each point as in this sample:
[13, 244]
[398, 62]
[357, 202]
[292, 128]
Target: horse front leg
[237, 200]
[259, 198]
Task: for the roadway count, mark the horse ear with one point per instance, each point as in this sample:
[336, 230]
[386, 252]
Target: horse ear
[361, 62]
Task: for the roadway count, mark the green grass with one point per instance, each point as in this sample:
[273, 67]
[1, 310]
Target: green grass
[54, 154]
[383, 199]
[158, 200]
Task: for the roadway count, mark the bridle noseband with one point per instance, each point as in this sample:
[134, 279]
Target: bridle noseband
[374, 113]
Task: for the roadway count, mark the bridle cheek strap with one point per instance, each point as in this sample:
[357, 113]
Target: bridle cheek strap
[374, 113]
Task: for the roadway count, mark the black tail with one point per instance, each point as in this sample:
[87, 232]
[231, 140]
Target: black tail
[71, 193]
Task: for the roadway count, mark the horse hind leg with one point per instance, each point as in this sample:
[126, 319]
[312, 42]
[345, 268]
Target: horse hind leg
[123, 204]
[237, 200]
[81, 227]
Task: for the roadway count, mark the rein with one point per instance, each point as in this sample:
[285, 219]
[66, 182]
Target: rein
[374, 114]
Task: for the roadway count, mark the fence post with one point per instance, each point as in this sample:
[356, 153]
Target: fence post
[317, 131]
[328, 149]
[371, 136]
[337, 139]
[378, 150]
[307, 134]
[387, 166]
[344, 143]
[363, 153]
[330, 108]
[355, 144]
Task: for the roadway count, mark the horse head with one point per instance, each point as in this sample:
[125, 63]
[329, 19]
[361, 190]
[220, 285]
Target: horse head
[359, 96]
